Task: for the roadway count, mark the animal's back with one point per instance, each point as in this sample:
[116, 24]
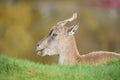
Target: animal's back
[98, 57]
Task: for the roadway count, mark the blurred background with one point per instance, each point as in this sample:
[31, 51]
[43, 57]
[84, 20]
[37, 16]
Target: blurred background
[24, 22]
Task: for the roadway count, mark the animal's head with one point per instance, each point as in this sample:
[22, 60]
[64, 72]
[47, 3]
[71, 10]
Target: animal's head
[56, 38]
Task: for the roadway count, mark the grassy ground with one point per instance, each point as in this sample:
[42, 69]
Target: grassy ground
[12, 69]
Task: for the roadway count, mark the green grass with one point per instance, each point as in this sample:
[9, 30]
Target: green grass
[13, 69]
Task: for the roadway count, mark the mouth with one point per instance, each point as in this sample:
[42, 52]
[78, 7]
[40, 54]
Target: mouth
[40, 53]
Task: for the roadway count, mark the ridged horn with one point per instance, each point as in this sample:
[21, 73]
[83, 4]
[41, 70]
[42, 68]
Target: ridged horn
[62, 23]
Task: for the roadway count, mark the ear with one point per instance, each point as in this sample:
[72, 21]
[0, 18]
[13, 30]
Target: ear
[72, 29]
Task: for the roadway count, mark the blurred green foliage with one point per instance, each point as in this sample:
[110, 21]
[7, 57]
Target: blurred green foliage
[23, 23]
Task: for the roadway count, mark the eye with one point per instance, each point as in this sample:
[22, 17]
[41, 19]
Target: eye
[54, 35]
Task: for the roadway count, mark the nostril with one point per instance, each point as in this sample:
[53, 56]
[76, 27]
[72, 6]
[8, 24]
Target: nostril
[37, 45]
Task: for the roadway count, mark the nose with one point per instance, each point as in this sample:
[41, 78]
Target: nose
[36, 47]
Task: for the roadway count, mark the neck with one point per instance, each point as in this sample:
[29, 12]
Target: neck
[68, 53]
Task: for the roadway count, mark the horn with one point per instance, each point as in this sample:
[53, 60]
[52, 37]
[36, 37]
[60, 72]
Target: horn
[62, 23]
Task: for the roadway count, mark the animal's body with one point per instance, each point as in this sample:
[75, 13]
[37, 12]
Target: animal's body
[60, 41]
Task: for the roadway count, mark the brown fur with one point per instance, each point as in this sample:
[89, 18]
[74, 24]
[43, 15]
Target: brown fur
[98, 57]
[72, 56]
